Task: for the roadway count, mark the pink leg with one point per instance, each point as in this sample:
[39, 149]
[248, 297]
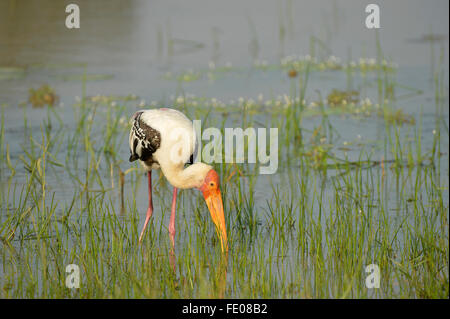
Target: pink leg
[172, 217]
[150, 205]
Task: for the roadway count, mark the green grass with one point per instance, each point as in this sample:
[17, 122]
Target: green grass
[307, 232]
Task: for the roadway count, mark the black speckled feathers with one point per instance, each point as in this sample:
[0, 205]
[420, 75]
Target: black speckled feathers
[144, 140]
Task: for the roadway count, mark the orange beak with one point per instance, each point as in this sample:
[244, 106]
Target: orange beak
[214, 201]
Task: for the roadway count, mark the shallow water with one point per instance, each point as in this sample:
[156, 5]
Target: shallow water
[133, 46]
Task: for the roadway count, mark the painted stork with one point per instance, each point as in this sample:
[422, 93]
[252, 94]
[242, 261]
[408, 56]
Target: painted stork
[165, 138]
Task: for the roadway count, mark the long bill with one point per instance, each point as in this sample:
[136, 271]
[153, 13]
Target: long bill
[215, 206]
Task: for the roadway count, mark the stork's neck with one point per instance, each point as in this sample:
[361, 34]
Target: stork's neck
[189, 177]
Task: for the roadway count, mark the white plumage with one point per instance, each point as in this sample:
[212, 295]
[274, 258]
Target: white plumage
[177, 135]
[176, 146]
[165, 138]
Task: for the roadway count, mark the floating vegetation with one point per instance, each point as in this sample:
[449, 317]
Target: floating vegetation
[430, 38]
[111, 99]
[183, 76]
[337, 98]
[87, 77]
[366, 65]
[11, 73]
[340, 102]
[291, 64]
[191, 75]
[396, 116]
[67, 65]
[332, 63]
[45, 95]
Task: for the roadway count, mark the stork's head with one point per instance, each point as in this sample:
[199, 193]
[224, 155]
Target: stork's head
[211, 193]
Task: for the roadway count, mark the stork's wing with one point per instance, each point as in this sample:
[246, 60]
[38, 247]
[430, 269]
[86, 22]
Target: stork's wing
[144, 140]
